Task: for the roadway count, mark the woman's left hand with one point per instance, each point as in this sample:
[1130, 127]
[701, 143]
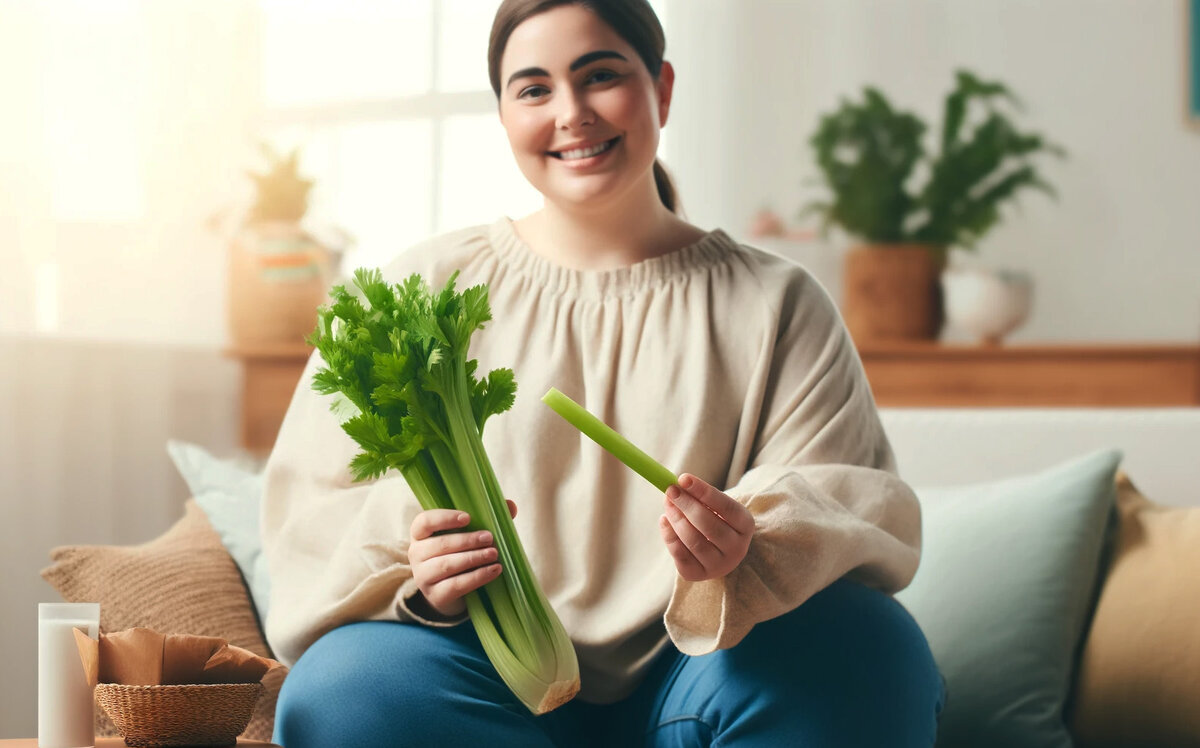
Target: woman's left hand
[706, 531]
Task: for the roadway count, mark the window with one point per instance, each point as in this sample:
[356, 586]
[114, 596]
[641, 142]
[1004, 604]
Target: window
[391, 106]
[91, 138]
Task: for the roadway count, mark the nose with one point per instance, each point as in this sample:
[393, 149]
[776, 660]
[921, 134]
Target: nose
[574, 111]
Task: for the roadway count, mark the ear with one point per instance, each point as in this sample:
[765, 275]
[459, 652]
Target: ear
[666, 84]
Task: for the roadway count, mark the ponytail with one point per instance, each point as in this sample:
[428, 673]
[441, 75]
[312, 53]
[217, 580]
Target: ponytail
[666, 188]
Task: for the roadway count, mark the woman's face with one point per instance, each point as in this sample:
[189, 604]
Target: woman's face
[569, 81]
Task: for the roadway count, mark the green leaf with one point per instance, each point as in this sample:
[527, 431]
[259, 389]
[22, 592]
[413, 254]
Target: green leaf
[868, 152]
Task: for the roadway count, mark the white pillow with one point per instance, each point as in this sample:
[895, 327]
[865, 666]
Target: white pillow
[229, 491]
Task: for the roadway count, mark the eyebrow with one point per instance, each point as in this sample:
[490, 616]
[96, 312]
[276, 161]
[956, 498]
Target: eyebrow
[590, 57]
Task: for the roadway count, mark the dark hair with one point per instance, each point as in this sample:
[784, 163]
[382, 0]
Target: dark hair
[633, 20]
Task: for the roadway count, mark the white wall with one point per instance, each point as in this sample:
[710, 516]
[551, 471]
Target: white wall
[1118, 258]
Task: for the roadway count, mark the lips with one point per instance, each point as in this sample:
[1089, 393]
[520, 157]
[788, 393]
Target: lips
[609, 143]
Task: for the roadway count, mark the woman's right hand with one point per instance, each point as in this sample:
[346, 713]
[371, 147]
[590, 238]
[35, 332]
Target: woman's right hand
[446, 562]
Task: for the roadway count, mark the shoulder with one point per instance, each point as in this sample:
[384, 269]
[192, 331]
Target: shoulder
[789, 289]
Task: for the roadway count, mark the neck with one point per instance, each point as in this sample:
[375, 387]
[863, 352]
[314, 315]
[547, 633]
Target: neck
[624, 232]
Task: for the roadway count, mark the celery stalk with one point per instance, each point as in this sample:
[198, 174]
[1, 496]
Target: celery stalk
[601, 433]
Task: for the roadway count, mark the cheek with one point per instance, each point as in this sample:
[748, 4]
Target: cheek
[523, 130]
[625, 108]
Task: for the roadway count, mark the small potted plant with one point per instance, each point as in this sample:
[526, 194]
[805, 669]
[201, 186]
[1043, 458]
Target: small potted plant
[278, 272]
[869, 154]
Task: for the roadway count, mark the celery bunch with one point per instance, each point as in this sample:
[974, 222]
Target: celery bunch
[397, 365]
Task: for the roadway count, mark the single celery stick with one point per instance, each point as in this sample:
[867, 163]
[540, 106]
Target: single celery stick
[601, 433]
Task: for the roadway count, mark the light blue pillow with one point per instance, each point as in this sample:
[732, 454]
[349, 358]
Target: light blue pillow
[1003, 593]
[229, 491]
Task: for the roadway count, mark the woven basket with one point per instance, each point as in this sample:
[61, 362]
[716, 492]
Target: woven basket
[179, 715]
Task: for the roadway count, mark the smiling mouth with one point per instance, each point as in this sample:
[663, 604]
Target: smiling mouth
[585, 152]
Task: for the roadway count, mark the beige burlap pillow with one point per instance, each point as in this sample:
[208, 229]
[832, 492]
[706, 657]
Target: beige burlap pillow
[182, 582]
[1139, 677]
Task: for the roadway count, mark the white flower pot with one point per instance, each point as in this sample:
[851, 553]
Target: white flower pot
[986, 304]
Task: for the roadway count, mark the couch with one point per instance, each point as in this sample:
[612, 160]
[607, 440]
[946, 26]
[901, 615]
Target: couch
[1060, 587]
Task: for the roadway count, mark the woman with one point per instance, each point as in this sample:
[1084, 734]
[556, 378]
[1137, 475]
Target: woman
[749, 605]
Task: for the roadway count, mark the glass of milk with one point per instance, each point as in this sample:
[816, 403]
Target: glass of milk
[65, 701]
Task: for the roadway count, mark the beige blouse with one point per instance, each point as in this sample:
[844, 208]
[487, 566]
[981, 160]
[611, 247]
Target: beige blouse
[718, 359]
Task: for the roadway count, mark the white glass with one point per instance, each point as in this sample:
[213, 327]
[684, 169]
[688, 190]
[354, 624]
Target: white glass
[65, 701]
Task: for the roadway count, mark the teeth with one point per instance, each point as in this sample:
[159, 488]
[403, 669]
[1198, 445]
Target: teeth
[586, 152]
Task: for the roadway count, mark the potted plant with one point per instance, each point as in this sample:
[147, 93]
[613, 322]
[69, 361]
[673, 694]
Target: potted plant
[869, 153]
[278, 273]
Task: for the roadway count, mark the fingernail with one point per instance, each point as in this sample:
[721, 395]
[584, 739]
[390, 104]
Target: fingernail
[462, 517]
[673, 493]
[484, 537]
[686, 481]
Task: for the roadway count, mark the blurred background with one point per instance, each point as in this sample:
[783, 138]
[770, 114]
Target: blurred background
[132, 296]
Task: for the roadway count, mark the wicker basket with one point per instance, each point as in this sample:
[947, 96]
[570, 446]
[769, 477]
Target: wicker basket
[179, 715]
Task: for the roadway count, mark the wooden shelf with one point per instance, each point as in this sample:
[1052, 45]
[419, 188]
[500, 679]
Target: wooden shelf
[1033, 375]
[901, 375]
[289, 351]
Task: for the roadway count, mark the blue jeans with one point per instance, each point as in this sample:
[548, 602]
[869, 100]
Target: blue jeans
[847, 668]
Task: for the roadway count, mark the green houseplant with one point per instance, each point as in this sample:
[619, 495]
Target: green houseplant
[278, 273]
[871, 158]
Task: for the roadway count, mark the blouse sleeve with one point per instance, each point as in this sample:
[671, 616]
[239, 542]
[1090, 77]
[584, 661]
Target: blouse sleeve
[821, 484]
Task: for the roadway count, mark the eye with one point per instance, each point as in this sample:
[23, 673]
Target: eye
[522, 95]
[600, 76]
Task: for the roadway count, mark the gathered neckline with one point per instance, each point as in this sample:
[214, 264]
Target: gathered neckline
[707, 250]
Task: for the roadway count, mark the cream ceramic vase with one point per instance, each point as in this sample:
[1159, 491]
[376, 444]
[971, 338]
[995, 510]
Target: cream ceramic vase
[278, 276]
[986, 304]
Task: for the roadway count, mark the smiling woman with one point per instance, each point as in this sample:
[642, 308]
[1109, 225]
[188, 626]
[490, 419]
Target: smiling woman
[773, 554]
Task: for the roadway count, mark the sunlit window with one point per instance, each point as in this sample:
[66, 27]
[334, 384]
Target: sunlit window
[336, 52]
[91, 127]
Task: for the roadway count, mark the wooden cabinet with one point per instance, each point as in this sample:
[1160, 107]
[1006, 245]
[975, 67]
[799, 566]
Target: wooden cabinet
[269, 377]
[1041, 375]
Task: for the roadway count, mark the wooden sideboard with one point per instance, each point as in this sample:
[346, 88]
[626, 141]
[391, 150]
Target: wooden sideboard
[1033, 375]
[901, 375]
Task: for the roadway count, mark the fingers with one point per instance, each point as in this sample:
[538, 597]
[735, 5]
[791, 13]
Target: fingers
[443, 566]
[704, 542]
[448, 561]
[688, 566]
[726, 507]
[431, 521]
[451, 543]
[691, 542]
[446, 596]
[703, 521]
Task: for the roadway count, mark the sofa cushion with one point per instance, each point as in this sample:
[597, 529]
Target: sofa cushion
[1139, 677]
[230, 493]
[1006, 581]
[183, 582]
